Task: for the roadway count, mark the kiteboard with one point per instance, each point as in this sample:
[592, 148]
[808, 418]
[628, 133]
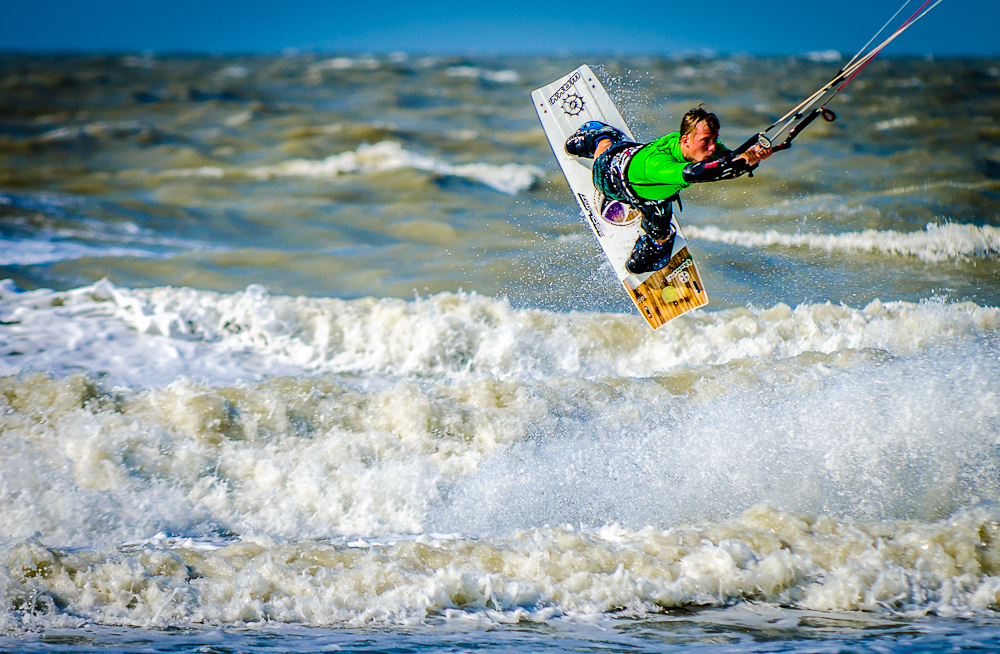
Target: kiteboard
[563, 106]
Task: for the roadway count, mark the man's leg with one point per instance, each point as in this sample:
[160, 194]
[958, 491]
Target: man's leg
[652, 250]
[657, 223]
[602, 147]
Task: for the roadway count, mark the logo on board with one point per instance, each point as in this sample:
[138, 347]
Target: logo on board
[572, 104]
[680, 270]
[561, 91]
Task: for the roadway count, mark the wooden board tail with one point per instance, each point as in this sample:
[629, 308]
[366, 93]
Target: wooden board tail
[670, 292]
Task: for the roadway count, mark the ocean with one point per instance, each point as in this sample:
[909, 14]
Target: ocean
[314, 352]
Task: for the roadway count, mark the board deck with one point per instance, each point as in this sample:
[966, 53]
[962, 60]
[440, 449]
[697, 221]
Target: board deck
[563, 106]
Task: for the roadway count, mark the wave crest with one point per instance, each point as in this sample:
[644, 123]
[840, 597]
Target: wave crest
[508, 178]
[444, 335]
[937, 243]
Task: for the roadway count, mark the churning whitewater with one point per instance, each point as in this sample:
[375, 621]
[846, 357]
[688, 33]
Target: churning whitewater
[453, 452]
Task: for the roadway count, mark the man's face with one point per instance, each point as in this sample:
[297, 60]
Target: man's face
[700, 145]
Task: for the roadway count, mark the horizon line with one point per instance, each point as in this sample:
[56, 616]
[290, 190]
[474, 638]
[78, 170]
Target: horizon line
[292, 52]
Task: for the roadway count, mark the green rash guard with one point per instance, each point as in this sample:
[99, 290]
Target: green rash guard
[655, 171]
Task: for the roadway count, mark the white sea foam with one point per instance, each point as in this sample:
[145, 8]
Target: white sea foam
[345, 63]
[499, 76]
[802, 561]
[937, 243]
[896, 123]
[283, 499]
[825, 56]
[201, 171]
[251, 333]
[17, 252]
[306, 457]
[508, 178]
[861, 434]
[82, 330]
[389, 155]
[526, 417]
[234, 72]
[511, 374]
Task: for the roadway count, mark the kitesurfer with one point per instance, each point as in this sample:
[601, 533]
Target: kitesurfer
[650, 176]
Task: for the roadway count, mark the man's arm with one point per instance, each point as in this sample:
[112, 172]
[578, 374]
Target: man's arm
[720, 168]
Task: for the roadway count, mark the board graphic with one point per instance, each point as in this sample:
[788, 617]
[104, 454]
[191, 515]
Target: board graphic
[563, 106]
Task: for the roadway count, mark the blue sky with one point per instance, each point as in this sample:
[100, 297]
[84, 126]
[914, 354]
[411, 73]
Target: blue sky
[471, 26]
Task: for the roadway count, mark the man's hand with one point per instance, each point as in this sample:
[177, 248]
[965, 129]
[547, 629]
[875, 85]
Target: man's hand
[755, 155]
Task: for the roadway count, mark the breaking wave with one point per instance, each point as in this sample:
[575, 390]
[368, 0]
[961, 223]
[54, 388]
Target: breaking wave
[508, 178]
[937, 243]
[774, 558]
[324, 461]
[449, 333]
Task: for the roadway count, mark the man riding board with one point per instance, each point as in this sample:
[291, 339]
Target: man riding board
[650, 176]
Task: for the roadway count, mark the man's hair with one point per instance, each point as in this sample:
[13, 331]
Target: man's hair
[689, 123]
